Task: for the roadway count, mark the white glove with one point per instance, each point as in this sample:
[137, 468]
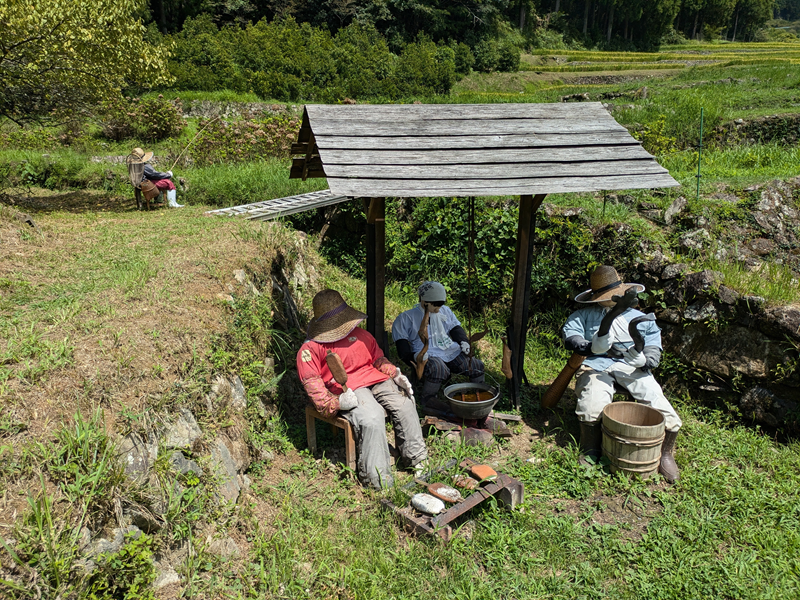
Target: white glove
[601, 345]
[348, 400]
[404, 384]
[465, 348]
[635, 359]
[423, 358]
[170, 174]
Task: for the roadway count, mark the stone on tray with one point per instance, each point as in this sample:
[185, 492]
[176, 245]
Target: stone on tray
[466, 482]
[427, 504]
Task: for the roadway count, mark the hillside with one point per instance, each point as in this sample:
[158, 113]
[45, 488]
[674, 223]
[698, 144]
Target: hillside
[160, 338]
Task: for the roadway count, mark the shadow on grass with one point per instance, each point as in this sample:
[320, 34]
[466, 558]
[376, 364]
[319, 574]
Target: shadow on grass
[78, 201]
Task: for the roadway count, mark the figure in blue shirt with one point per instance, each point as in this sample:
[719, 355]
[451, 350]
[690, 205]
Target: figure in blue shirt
[613, 359]
[448, 347]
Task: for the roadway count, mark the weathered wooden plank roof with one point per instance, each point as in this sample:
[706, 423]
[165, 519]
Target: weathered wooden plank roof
[471, 150]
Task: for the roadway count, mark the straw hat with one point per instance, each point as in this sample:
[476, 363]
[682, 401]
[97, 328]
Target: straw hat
[333, 319]
[606, 284]
[140, 155]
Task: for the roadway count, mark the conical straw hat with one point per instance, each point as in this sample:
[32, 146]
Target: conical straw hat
[333, 318]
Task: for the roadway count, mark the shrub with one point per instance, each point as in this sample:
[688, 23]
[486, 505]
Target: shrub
[508, 56]
[203, 57]
[244, 140]
[487, 56]
[464, 59]
[28, 138]
[425, 68]
[149, 119]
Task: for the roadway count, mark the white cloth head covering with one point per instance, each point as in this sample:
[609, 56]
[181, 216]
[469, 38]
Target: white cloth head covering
[432, 291]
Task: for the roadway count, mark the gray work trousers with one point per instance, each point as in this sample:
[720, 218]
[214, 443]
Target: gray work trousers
[595, 390]
[373, 462]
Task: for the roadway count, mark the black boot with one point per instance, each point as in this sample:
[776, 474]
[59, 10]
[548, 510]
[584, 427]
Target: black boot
[591, 442]
[668, 467]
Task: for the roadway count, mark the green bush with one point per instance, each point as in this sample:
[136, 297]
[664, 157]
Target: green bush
[151, 119]
[425, 68]
[243, 140]
[508, 56]
[203, 57]
[464, 58]
[290, 61]
[487, 56]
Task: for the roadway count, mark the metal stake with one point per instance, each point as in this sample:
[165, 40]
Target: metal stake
[699, 155]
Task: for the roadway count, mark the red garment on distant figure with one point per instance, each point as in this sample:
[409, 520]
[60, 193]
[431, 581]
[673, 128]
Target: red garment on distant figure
[164, 184]
[363, 362]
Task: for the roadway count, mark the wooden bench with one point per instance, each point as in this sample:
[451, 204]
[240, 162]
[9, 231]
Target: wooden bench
[336, 422]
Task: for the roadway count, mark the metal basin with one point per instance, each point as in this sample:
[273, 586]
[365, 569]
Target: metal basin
[471, 410]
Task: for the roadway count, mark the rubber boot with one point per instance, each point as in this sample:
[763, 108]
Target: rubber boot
[171, 199]
[591, 442]
[668, 467]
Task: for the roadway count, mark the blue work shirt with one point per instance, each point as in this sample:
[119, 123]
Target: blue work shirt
[586, 321]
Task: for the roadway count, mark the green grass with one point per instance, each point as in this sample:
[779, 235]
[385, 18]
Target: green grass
[229, 185]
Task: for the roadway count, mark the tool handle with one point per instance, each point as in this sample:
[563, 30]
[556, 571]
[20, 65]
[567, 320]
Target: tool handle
[553, 394]
[337, 369]
[423, 335]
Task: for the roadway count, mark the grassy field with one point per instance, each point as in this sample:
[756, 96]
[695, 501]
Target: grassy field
[134, 316]
[111, 319]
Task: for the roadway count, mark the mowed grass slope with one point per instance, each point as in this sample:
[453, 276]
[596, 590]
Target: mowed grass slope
[127, 305]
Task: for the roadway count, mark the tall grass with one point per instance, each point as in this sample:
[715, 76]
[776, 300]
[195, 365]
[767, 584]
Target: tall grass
[233, 184]
[737, 166]
[777, 283]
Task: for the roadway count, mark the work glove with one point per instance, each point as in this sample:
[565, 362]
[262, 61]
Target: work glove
[635, 359]
[170, 174]
[404, 384]
[465, 348]
[348, 400]
[601, 345]
[422, 358]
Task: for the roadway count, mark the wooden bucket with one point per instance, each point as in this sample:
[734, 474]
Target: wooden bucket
[632, 438]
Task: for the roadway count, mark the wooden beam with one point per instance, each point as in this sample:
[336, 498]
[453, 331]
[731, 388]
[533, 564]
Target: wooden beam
[412, 188]
[528, 205]
[376, 272]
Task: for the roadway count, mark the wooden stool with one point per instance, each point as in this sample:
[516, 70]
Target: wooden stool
[337, 421]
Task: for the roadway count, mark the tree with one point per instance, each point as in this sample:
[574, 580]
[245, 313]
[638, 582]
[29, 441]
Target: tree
[59, 57]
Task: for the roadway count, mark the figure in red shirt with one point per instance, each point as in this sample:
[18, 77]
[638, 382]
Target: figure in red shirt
[373, 384]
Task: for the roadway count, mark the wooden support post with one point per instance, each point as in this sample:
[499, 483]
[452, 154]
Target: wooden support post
[376, 271]
[528, 205]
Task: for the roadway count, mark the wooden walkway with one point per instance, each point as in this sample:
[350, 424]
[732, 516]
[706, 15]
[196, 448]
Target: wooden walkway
[280, 207]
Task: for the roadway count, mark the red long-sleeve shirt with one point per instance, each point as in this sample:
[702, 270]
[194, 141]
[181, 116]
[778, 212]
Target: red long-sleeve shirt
[363, 362]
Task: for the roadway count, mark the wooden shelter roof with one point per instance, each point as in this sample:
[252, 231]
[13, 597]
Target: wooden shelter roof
[420, 150]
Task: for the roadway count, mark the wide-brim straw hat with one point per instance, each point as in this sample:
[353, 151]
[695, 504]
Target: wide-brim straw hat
[140, 156]
[605, 283]
[333, 318]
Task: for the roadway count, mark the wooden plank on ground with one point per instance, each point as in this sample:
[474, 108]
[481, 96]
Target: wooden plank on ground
[496, 171]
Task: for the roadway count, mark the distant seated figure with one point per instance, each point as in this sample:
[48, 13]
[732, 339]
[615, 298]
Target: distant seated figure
[448, 347]
[373, 384]
[163, 181]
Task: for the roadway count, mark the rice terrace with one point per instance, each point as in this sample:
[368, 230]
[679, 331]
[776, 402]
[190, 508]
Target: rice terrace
[331, 299]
